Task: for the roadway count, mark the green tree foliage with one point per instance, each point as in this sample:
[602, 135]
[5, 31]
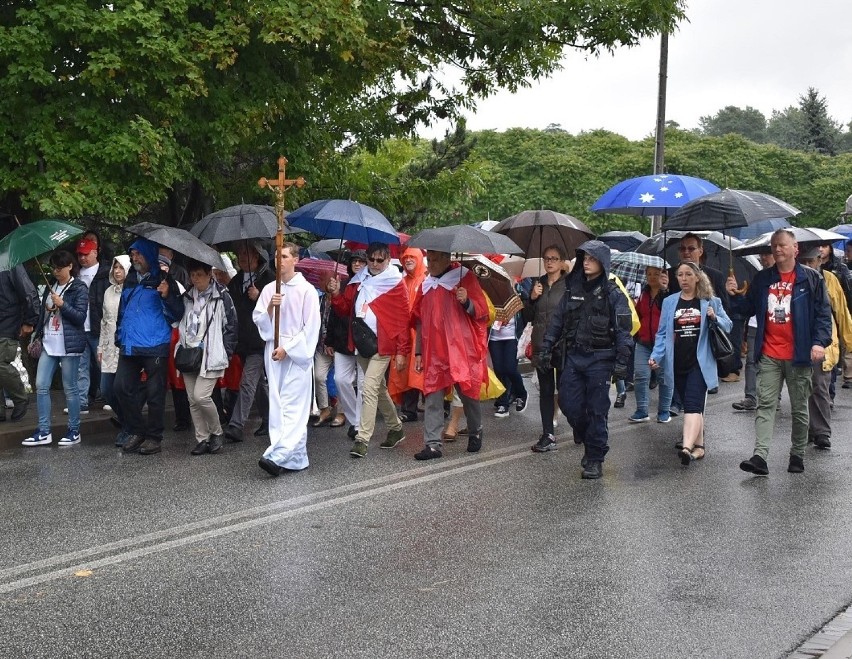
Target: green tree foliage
[112, 107]
[807, 127]
[527, 169]
[748, 122]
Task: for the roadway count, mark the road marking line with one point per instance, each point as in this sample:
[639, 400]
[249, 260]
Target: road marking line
[268, 513]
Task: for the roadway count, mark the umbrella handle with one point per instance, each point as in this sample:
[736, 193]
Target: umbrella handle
[742, 289]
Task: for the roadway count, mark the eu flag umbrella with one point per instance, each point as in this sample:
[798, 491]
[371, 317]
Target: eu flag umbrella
[655, 194]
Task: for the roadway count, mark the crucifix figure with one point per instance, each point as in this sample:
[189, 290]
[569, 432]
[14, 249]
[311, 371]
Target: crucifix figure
[279, 186]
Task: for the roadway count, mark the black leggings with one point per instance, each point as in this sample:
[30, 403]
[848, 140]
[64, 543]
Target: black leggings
[547, 383]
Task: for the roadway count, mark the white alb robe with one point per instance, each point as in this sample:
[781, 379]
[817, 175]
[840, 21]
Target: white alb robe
[290, 379]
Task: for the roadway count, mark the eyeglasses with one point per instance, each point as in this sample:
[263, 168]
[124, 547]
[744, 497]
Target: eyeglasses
[552, 258]
[372, 260]
[683, 248]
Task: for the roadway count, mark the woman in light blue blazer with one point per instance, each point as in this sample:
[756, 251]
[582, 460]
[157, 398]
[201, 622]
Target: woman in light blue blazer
[682, 350]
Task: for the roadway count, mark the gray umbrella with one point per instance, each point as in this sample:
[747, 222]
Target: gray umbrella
[727, 209]
[180, 240]
[806, 237]
[536, 230]
[464, 239]
[235, 223]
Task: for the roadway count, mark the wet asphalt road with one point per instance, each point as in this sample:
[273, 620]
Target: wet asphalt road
[504, 553]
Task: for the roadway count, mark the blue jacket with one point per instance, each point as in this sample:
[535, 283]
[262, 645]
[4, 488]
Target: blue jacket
[663, 352]
[73, 314]
[809, 308]
[145, 319]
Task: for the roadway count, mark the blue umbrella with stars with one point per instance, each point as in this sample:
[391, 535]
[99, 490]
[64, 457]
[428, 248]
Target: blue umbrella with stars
[656, 194]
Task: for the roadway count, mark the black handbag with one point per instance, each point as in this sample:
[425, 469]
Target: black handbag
[188, 360]
[364, 337]
[720, 342]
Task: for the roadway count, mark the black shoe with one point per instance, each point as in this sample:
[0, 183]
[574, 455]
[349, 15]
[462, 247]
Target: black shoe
[351, 432]
[408, 417]
[619, 400]
[19, 411]
[269, 467]
[755, 465]
[132, 444]
[115, 422]
[847, 385]
[201, 448]
[428, 453]
[653, 384]
[215, 443]
[520, 404]
[181, 426]
[592, 470]
[797, 465]
[628, 386]
[150, 446]
[3, 415]
[820, 441]
[233, 434]
[714, 390]
[544, 444]
[577, 438]
[745, 405]
[474, 442]
[263, 430]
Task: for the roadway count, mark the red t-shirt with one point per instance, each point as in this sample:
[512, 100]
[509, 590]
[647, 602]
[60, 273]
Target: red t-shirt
[778, 337]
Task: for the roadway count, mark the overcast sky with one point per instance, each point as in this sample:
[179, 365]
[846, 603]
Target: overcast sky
[762, 53]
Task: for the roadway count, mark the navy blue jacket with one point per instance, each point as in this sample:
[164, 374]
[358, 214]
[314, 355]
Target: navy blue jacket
[73, 313]
[809, 308]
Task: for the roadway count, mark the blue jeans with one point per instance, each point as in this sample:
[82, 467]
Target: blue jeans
[88, 362]
[504, 358]
[107, 381]
[44, 377]
[641, 379]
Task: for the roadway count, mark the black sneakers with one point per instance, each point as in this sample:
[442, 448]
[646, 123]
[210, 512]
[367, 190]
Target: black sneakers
[797, 465]
[756, 465]
[544, 444]
[619, 400]
[592, 470]
[745, 405]
[823, 442]
[428, 453]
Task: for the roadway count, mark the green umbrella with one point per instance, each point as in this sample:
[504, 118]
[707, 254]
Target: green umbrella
[28, 241]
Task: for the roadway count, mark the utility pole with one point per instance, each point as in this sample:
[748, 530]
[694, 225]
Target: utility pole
[660, 140]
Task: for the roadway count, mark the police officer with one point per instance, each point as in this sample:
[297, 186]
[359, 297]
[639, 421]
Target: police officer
[592, 324]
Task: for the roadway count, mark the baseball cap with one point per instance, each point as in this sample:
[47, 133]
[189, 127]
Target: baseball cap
[85, 246]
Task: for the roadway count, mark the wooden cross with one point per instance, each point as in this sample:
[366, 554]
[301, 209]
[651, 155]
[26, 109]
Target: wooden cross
[279, 186]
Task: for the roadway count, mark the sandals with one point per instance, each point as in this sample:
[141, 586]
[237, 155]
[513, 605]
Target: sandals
[698, 447]
[339, 420]
[450, 438]
[689, 455]
[324, 419]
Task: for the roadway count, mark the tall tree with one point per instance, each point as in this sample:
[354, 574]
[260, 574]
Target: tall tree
[748, 122]
[111, 106]
[821, 131]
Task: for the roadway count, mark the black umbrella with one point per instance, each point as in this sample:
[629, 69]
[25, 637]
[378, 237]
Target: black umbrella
[623, 241]
[727, 209]
[235, 223]
[717, 252]
[179, 240]
[806, 237]
[535, 231]
[464, 239]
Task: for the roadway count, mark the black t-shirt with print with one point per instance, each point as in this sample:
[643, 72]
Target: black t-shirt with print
[687, 325]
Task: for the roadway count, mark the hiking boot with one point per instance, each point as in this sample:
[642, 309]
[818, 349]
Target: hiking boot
[358, 450]
[132, 444]
[394, 437]
[592, 470]
[797, 464]
[755, 465]
[822, 442]
[150, 446]
[215, 442]
[201, 448]
[428, 453]
[545, 443]
[745, 405]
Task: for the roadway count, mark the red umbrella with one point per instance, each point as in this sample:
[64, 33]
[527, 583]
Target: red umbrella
[319, 271]
[395, 250]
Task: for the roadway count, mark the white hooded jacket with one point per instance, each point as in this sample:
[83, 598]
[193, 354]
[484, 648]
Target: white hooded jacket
[112, 296]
